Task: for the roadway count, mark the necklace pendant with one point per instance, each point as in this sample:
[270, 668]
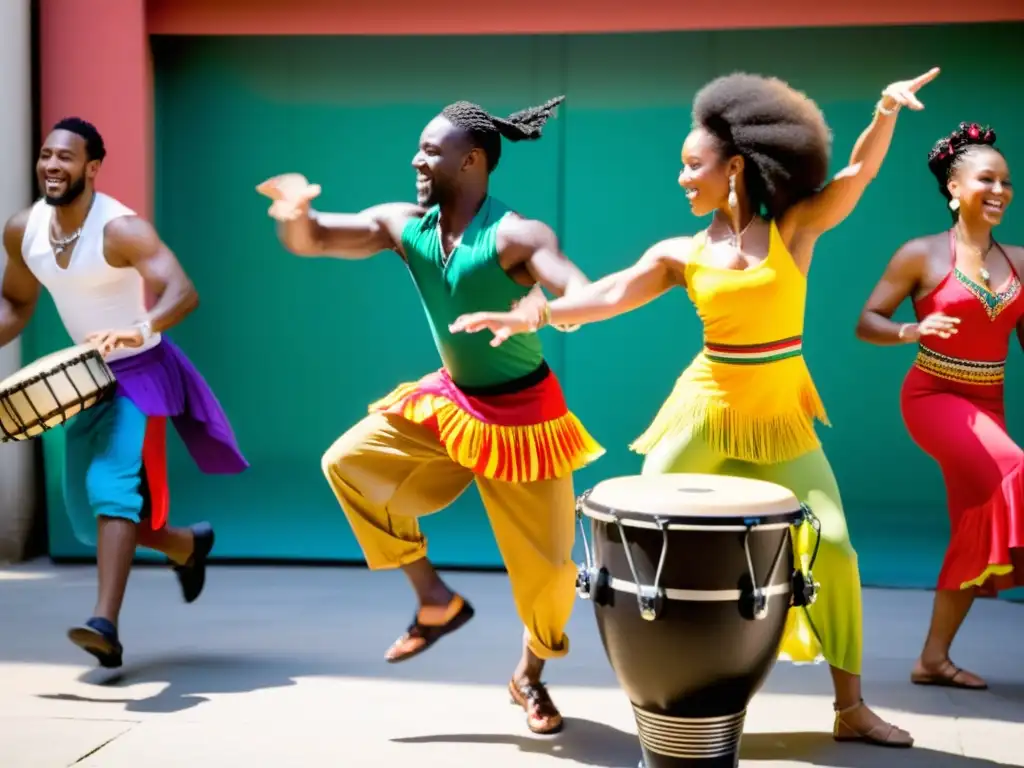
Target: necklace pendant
[58, 250]
[984, 274]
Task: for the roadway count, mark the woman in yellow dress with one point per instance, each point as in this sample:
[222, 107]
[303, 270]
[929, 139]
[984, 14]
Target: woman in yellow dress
[757, 159]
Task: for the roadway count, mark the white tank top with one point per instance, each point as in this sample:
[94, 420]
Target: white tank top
[90, 295]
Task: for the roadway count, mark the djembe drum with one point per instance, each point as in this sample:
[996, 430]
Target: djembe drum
[48, 392]
[692, 578]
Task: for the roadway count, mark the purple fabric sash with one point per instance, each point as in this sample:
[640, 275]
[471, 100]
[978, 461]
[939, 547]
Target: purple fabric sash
[163, 382]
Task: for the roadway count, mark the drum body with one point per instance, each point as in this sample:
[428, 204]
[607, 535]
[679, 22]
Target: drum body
[51, 390]
[692, 579]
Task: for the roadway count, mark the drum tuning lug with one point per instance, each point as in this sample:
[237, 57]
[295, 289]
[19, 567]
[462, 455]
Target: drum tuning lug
[647, 610]
[760, 604]
[584, 582]
[811, 590]
[805, 589]
[648, 602]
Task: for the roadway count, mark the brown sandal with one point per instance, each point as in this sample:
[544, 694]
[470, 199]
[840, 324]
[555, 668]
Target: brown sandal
[886, 735]
[430, 624]
[542, 716]
[943, 678]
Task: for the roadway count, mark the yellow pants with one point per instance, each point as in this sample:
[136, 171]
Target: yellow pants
[388, 471]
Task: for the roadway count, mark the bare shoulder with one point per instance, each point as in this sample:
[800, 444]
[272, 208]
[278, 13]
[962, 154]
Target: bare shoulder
[516, 229]
[920, 246]
[18, 221]
[129, 240]
[397, 214]
[674, 251]
[14, 231]
[919, 250]
[1015, 253]
[126, 230]
[919, 261]
[392, 219]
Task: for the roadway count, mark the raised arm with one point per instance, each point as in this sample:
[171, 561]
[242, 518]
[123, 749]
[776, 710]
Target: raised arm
[900, 280]
[620, 292]
[19, 293]
[307, 232]
[837, 199]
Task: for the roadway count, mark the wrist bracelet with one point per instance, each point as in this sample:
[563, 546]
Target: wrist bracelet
[887, 112]
[545, 317]
[903, 330]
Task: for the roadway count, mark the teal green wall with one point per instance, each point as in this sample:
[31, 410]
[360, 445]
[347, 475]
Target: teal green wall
[296, 349]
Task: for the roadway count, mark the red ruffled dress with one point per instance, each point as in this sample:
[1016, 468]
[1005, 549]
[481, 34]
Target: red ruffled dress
[952, 404]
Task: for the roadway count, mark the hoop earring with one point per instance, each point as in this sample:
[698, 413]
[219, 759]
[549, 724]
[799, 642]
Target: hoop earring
[734, 200]
[954, 204]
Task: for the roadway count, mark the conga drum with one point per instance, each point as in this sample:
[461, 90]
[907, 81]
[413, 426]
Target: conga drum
[692, 578]
[48, 392]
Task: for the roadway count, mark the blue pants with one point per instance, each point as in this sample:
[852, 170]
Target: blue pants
[103, 466]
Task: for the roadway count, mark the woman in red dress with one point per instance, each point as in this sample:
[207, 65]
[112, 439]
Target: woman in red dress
[966, 289]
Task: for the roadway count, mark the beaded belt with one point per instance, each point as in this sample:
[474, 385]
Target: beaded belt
[754, 354]
[955, 369]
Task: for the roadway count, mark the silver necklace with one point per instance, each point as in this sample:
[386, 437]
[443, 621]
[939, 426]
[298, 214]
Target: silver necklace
[446, 257]
[61, 244]
[733, 238]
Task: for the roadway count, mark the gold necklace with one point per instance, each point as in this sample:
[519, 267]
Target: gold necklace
[983, 273]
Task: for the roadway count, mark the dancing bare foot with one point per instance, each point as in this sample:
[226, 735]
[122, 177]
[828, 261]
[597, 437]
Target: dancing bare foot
[859, 723]
[945, 674]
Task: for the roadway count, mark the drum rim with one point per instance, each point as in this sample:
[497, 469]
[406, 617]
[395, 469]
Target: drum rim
[638, 519]
[23, 383]
[22, 431]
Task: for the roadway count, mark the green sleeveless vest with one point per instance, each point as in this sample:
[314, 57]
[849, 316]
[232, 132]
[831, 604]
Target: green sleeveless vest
[472, 281]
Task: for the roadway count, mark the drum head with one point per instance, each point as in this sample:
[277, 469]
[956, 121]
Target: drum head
[693, 499]
[51, 390]
[46, 364]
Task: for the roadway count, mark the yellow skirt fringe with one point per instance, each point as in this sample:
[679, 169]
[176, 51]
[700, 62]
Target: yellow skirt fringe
[734, 432]
[514, 454]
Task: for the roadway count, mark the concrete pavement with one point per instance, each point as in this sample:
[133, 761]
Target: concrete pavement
[282, 667]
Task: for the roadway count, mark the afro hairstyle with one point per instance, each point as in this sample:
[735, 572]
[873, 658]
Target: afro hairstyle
[780, 133]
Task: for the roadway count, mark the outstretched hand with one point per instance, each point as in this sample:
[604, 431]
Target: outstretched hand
[526, 316]
[291, 193]
[903, 92]
[502, 324]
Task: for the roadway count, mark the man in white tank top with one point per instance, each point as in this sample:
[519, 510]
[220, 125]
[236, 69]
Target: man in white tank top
[99, 260]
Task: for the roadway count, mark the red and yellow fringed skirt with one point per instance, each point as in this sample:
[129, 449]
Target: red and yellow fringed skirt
[524, 436]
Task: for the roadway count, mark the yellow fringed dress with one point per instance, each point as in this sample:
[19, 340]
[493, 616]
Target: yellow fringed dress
[746, 406]
[748, 392]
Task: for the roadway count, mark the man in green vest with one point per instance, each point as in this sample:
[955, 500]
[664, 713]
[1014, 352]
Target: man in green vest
[492, 414]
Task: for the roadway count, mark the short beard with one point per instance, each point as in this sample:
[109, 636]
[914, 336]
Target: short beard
[439, 196]
[74, 191]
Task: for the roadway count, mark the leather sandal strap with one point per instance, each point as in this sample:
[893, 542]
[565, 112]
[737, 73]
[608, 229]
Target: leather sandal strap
[848, 710]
